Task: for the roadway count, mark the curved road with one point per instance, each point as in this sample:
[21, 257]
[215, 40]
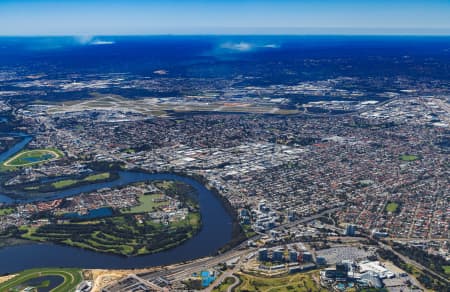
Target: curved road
[412, 262]
[235, 284]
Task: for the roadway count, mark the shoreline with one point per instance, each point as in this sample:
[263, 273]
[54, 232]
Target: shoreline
[23, 241]
[22, 194]
[221, 248]
[237, 236]
[237, 233]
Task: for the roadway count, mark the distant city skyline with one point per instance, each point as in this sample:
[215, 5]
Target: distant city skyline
[136, 17]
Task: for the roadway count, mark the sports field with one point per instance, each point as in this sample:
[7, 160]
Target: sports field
[31, 157]
[392, 207]
[147, 204]
[408, 157]
[71, 278]
[91, 178]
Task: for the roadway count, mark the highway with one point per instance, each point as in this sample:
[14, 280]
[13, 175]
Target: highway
[183, 271]
[412, 262]
[223, 276]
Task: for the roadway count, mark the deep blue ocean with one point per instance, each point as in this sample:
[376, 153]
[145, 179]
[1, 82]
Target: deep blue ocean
[283, 58]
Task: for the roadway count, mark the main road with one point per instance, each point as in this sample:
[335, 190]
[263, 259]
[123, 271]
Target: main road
[412, 262]
[183, 271]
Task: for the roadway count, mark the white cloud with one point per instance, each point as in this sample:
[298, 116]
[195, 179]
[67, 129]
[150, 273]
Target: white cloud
[91, 40]
[242, 46]
[246, 46]
[83, 39]
[271, 46]
[99, 43]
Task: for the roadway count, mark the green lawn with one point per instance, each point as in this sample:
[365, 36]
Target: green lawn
[300, 282]
[392, 207]
[408, 157]
[147, 204]
[129, 151]
[446, 269]
[249, 232]
[64, 183]
[91, 178]
[99, 176]
[72, 277]
[194, 219]
[29, 233]
[6, 211]
[223, 287]
[44, 284]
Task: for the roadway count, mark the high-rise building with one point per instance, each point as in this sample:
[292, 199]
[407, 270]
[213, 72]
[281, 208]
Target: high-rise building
[277, 255]
[293, 256]
[350, 230]
[341, 270]
[321, 261]
[307, 257]
[263, 254]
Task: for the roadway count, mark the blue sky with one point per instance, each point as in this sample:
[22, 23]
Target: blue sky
[101, 17]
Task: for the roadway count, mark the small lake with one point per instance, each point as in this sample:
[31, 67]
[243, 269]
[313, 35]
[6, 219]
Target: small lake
[38, 159]
[54, 281]
[215, 233]
[92, 214]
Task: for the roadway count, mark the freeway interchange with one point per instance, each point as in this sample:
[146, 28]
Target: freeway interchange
[178, 272]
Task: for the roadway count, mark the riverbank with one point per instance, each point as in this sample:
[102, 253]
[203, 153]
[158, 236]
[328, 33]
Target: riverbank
[216, 232]
[238, 234]
[19, 191]
[145, 228]
[10, 241]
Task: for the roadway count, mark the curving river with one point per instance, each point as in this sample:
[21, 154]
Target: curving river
[215, 233]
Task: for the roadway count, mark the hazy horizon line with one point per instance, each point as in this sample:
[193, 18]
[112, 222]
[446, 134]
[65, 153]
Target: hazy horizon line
[221, 35]
[251, 31]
